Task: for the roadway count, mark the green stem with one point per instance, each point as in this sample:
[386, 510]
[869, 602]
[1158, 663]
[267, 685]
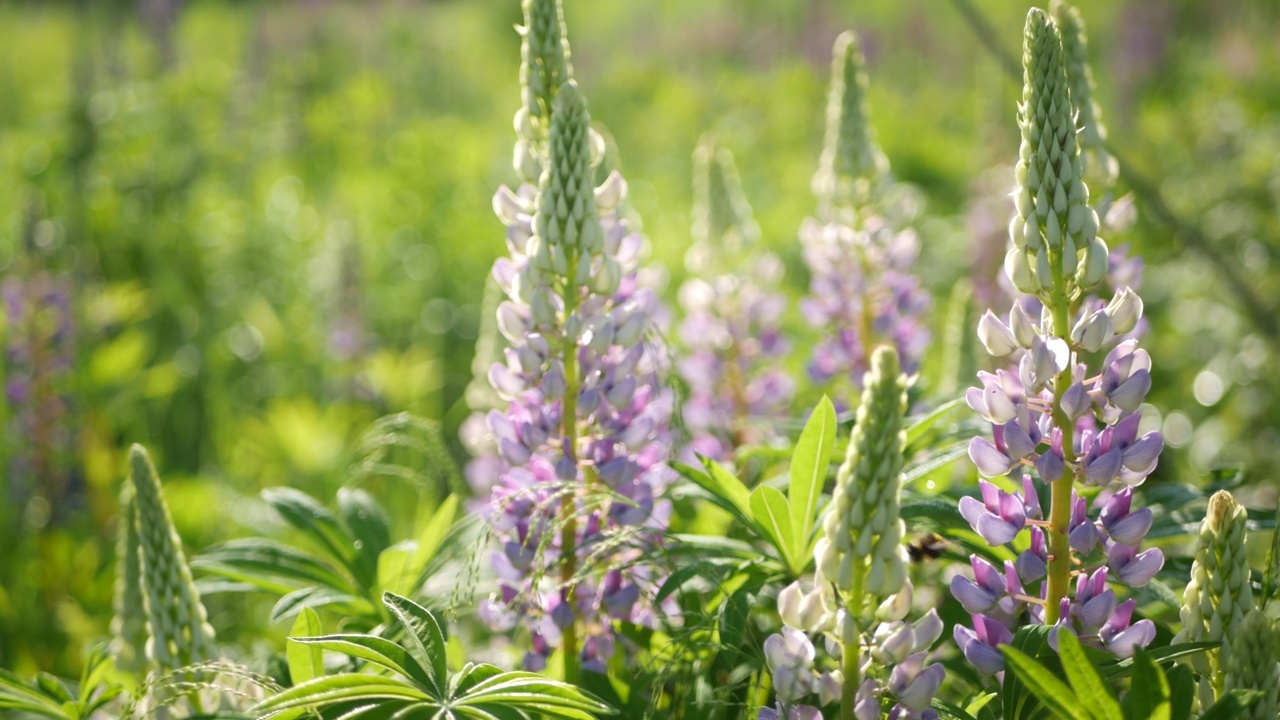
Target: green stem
[1060, 508]
[852, 660]
[568, 505]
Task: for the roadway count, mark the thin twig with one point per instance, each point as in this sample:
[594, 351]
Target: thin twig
[1260, 314]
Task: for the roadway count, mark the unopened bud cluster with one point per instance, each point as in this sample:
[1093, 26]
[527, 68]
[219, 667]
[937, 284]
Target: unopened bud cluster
[1219, 594]
[178, 630]
[1054, 418]
[863, 532]
[1252, 664]
[733, 314]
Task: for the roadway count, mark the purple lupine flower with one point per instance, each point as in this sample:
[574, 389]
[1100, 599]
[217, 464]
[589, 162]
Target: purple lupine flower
[1122, 636]
[980, 644]
[1056, 421]
[861, 290]
[39, 356]
[579, 466]
[733, 313]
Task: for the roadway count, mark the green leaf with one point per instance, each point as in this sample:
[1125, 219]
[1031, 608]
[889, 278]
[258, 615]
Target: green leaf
[432, 539]
[533, 692]
[1182, 692]
[1148, 696]
[376, 650]
[1015, 701]
[943, 513]
[317, 597]
[1162, 655]
[270, 565]
[305, 663]
[1094, 695]
[772, 515]
[733, 622]
[723, 486]
[1043, 684]
[424, 636]
[809, 464]
[950, 709]
[1230, 705]
[936, 460]
[333, 689]
[917, 429]
[367, 524]
[311, 517]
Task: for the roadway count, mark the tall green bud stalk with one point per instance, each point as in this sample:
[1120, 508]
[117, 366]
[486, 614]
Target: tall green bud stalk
[1251, 664]
[177, 623]
[1100, 168]
[851, 164]
[721, 213]
[1057, 254]
[861, 551]
[1219, 596]
[544, 67]
[129, 625]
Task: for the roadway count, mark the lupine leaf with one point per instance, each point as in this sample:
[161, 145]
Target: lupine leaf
[1182, 692]
[373, 649]
[368, 526]
[1017, 703]
[733, 622]
[1166, 654]
[433, 536]
[337, 688]
[311, 517]
[950, 709]
[318, 597]
[1148, 696]
[424, 637]
[1043, 684]
[1231, 705]
[772, 515]
[305, 662]
[271, 565]
[917, 429]
[809, 464]
[1094, 695]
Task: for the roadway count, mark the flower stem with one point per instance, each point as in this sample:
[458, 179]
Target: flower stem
[1059, 570]
[568, 505]
[852, 660]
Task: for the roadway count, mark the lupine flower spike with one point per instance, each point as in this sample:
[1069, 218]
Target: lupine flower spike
[1218, 596]
[861, 292]
[1251, 664]
[733, 312]
[583, 442]
[861, 557]
[1055, 421]
[177, 624]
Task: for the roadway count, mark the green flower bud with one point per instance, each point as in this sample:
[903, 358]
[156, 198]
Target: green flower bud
[865, 504]
[1099, 167]
[1219, 596]
[129, 624]
[1251, 664]
[721, 213]
[176, 620]
[544, 58]
[566, 196]
[1051, 199]
[851, 163]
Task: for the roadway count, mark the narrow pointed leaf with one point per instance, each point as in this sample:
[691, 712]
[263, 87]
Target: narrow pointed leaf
[305, 662]
[809, 464]
[423, 636]
[1094, 695]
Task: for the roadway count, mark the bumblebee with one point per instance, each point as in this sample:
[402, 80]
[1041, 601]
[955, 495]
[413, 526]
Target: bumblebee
[927, 546]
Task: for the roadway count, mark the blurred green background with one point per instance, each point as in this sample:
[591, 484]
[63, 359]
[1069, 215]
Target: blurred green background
[270, 224]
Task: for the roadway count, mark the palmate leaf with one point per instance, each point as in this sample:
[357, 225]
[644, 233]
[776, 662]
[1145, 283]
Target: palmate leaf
[272, 566]
[332, 689]
[344, 603]
[722, 488]
[315, 520]
[421, 687]
[369, 529]
[424, 637]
